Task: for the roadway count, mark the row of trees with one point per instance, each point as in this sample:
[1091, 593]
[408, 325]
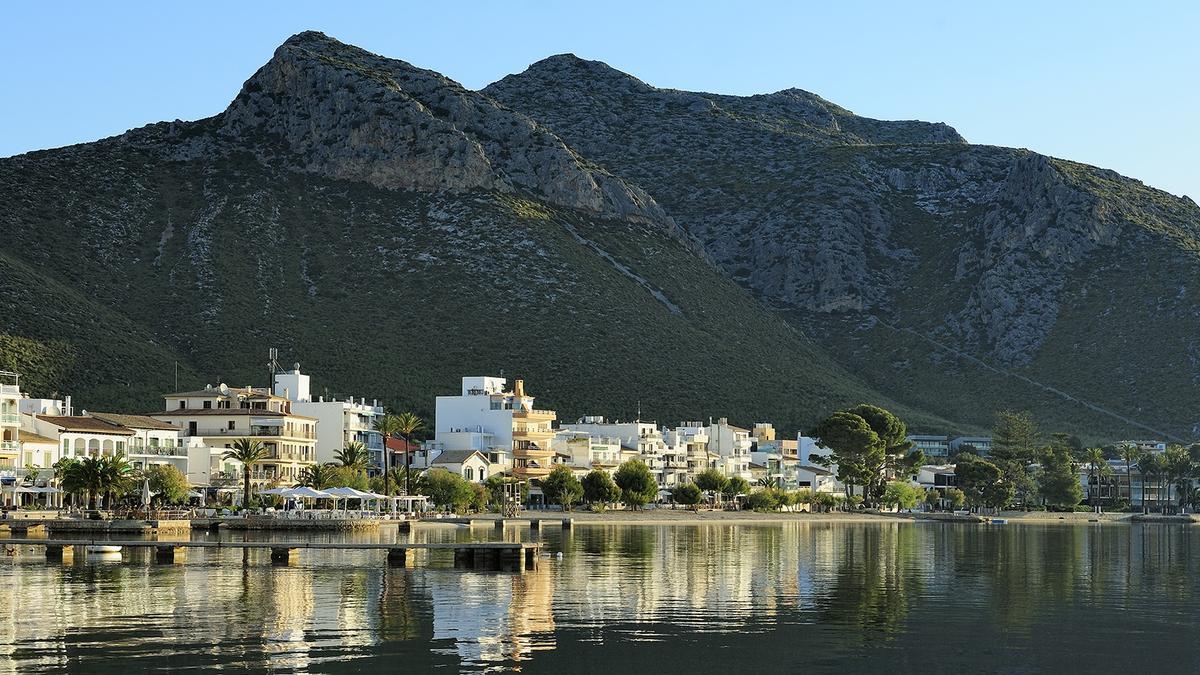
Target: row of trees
[1022, 470]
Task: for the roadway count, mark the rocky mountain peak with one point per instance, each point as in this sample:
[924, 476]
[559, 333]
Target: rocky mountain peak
[325, 107]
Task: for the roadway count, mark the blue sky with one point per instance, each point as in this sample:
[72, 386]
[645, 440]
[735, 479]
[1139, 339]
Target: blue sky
[1107, 83]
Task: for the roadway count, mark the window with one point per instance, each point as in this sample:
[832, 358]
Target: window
[469, 473]
[231, 424]
[191, 428]
[208, 405]
[182, 404]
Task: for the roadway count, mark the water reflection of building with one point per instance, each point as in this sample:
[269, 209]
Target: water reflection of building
[494, 618]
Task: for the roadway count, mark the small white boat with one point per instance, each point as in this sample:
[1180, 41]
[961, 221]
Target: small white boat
[998, 521]
[103, 549]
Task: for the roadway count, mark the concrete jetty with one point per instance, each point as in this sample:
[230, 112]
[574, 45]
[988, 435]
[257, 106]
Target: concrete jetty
[478, 555]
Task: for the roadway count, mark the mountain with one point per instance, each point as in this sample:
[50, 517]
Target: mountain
[392, 231]
[956, 278]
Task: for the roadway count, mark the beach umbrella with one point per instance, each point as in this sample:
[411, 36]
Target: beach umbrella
[275, 491]
[306, 493]
[146, 492]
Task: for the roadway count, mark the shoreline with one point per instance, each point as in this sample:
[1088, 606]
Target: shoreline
[687, 517]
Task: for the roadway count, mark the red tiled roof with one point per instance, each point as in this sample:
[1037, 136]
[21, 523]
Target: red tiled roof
[81, 423]
[400, 445]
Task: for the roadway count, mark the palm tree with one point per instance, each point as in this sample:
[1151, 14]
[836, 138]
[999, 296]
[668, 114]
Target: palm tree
[1095, 459]
[1149, 466]
[318, 476]
[1179, 470]
[248, 451]
[1129, 453]
[408, 424]
[116, 476]
[66, 473]
[89, 476]
[387, 426]
[353, 456]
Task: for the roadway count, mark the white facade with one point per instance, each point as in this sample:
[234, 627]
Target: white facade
[10, 419]
[583, 451]
[338, 422]
[471, 465]
[667, 462]
[506, 419]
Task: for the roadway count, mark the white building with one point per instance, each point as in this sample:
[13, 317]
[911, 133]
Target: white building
[218, 416]
[470, 464]
[485, 412]
[338, 422]
[733, 445]
[156, 442]
[583, 451]
[690, 441]
[10, 419]
[646, 441]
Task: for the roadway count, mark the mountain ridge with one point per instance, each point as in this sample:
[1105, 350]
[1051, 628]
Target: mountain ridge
[386, 275]
[577, 211]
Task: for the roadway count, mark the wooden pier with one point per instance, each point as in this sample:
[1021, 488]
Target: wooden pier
[478, 555]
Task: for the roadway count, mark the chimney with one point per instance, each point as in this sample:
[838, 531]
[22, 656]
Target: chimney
[518, 387]
[67, 405]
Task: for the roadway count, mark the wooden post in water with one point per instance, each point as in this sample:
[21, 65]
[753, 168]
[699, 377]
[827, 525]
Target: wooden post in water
[397, 557]
[499, 525]
[535, 524]
[168, 555]
[59, 552]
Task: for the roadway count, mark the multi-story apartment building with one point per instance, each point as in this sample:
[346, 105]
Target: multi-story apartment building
[935, 447]
[583, 451]
[733, 445]
[338, 422]
[218, 416]
[646, 441]
[506, 420]
[10, 418]
[690, 441]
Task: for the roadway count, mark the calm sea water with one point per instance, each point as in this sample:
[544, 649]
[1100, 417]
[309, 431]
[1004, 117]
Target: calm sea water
[799, 597]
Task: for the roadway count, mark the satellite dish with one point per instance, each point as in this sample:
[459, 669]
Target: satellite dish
[224, 388]
[296, 365]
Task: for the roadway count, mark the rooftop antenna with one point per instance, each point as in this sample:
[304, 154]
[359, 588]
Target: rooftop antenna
[639, 416]
[273, 364]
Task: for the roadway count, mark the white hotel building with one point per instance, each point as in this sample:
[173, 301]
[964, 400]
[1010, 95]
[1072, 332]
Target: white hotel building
[338, 422]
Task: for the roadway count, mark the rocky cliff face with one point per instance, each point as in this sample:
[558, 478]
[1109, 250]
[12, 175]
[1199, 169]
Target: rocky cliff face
[328, 108]
[861, 228]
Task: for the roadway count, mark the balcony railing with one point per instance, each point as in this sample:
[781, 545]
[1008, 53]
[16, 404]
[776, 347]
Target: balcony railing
[10, 389]
[10, 418]
[533, 413]
[158, 450]
[261, 431]
[9, 446]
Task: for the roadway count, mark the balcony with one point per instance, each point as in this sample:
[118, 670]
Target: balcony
[269, 432]
[534, 414]
[159, 451]
[10, 418]
[10, 446]
[9, 390]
